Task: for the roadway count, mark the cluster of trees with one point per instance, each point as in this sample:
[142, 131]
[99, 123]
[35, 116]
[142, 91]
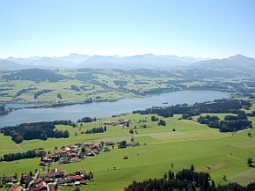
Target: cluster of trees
[41, 92]
[161, 122]
[96, 130]
[23, 155]
[34, 74]
[85, 74]
[59, 95]
[154, 118]
[120, 82]
[86, 120]
[229, 124]
[38, 130]
[187, 179]
[75, 88]
[122, 144]
[23, 91]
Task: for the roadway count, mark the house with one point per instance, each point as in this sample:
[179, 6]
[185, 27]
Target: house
[43, 163]
[19, 188]
[109, 143]
[55, 173]
[51, 188]
[47, 158]
[61, 181]
[25, 179]
[78, 172]
[10, 180]
[106, 149]
[42, 186]
[48, 179]
[97, 146]
[83, 182]
[74, 179]
[74, 159]
[37, 180]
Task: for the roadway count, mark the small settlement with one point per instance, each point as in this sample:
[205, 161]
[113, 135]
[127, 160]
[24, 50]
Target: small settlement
[53, 178]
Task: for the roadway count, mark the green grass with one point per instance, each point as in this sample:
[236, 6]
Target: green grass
[191, 143]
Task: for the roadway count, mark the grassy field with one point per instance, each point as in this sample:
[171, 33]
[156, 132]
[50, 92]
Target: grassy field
[191, 143]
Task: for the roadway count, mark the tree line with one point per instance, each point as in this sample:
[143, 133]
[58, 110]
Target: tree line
[23, 155]
[96, 130]
[37, 94]
[86, 120]
[186, 179]
[38, 130]
[217, 106]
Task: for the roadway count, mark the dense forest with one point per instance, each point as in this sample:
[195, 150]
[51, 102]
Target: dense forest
[186, 180]
[217, 106]
[38, 130]
[34, 74]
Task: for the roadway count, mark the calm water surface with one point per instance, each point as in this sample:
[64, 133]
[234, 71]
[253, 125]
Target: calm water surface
[106, 109]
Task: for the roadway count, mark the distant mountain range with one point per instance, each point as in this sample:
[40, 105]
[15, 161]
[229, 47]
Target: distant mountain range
[75, 61]
[237, 63]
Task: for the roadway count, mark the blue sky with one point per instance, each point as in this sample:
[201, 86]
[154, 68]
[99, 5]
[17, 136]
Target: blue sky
[198, 28]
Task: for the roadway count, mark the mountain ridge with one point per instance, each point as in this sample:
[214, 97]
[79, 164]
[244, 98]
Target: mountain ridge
[238, 61]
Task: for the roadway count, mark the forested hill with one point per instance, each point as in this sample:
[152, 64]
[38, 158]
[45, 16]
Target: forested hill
[34, 74]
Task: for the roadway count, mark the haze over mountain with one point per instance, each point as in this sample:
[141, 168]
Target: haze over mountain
[99, 61]
[75, 61]
[238, 62]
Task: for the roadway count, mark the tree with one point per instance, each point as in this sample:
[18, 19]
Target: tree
[59, 95]
[250, 162]
[83, 150]
[161, 122]
[192, 167]
[249, 134]
[123, 144]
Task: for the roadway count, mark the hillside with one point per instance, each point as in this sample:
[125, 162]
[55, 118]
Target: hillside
[237, 63]
[9, 65]
[130, 62]
[34, 75]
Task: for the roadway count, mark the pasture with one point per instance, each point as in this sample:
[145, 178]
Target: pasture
[172, 147]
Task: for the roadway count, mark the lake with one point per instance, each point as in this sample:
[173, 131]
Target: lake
[106, 109]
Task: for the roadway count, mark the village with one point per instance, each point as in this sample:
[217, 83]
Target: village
[47, 179]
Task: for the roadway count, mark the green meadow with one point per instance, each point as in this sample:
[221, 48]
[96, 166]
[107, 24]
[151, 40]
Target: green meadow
[172, 147]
